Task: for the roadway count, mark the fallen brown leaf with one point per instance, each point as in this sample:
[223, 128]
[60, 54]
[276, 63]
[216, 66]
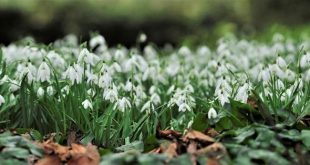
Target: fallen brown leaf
[171, 151]
[156, 150]
[50, 147]
[77, 149]
[84, 156]
[212, 132]
[192, 149]
[168, 134]
[49, 160]
[213, 161]
[75, 155]
[215, 150]
[71, 138]
[198, 136]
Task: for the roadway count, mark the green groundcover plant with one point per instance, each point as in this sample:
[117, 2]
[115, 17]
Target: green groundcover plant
[256, 95]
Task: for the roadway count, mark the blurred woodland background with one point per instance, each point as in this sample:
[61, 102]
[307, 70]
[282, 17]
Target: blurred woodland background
[163, 21]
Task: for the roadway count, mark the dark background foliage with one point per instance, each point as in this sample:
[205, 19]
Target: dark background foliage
[120, 21]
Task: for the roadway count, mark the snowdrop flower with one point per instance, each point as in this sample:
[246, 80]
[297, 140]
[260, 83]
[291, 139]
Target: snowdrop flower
[189, 88]
[91, 92]
[122, 104]
[170, 89]
[87, 104]
[40, 92]
[203, 51]
[116, 67]
[148, 107]
[275, 70]
[111, 94]
[213, 65]
[50, 90]
[155, 98]
[14, 85]
[128, 87]
[91, 78]
[305, 61]
[221, 70]
[264, 75]
[149, 52]
[298, 83]
[223, 86]
[44, 72]
[12, 97]
[2, 101]
[212, 114]
[173, 68]
[142, 38]
[184, 51]
[56, 60]
[183, 107]
[242, 93]
[98, 40]
[290, 75]
[306, 76]
[223, 97]
[31, 72]
[153, 89]
[71, 74]
[65, 90]
[279, 84]
[87, 57]
[105, 80]
[281, 62]
[74, 74]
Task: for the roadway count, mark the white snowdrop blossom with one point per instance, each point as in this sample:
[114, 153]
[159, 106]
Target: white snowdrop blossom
[87, 57]
[50, 90]
[98, 41]
[242, 93]
[40, 92]
[212, 114]
[264, 75]
[44, 72]
[74, 74]
[183, 107]
[122, 104]
[111, 94]
[105, 80]
[128, 86]
[87, 104]
[305, 61]
[14, 85]
[148, 107]
[142, 38]
[2, 101]
[281, 62]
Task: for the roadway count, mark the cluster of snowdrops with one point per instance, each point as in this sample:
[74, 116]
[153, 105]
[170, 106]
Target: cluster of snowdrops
[149, 79]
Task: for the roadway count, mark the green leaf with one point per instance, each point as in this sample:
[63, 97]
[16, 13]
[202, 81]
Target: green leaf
[200, 122]
[267, 156]
[305, 137]
[150, 143]
[136, 145]
[19, 153]
[224, 124]
[181, 160]
[245, 133]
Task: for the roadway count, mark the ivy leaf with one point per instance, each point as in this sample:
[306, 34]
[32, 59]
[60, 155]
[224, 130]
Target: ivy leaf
[305, 137]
